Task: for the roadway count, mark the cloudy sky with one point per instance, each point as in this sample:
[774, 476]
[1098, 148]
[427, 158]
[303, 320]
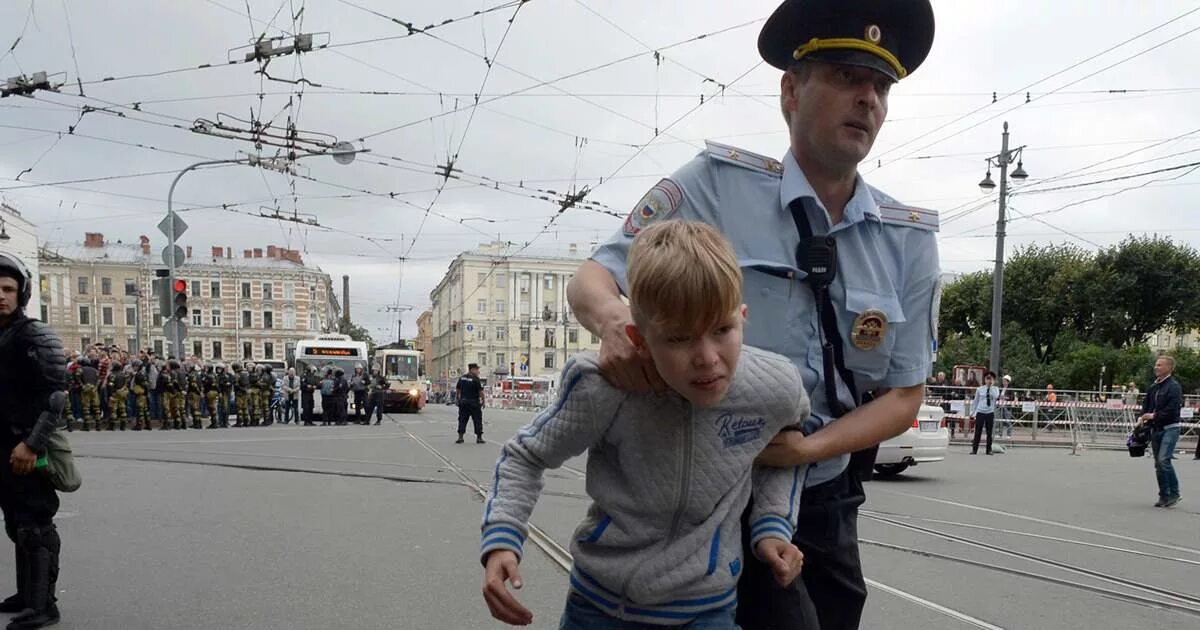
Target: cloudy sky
[575, 97]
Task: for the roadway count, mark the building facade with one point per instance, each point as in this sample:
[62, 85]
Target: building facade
[508, 314]
[19, 238]
[424, 341]
[253, 307]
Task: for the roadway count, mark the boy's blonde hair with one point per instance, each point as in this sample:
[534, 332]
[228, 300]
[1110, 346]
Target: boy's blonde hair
[683, 275]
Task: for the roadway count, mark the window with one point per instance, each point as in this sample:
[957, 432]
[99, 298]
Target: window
[501, 333]
[499, 307]
[85, 316]
[106, 315]
[45, 313]
[312, 321]
[247, 350]
[214, 288]
[524, 334]
[216, 353]
[549, 340]
[197, 318]
[482, 277]
[481, 306]
[131, 344]
[548, 282]
[500, 360]
[549, 359]
[312, 293]
[247, 319]
[573, 335]
[595, 339]
[501, 280]
[245, 290]
[289, 318]
[158, 347]
[154, 289]
[105, 286]
[83, 285]
[482, 358]
[157, 319]
[198, 348]
[131, 287]
[268, 319]
[481, 333]
[524, 284]
[267, 287]
[524, 309]
[195, 289]
[268, 350]
[130, 316]
[289, 292]
[216, 318]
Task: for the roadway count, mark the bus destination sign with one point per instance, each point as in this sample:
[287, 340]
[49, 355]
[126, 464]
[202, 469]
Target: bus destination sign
[333, 352]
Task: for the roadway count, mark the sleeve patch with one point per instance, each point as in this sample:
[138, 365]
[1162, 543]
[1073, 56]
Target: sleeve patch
[658, 204]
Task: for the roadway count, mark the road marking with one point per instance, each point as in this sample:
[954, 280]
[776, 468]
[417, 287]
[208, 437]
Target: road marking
[934, 606]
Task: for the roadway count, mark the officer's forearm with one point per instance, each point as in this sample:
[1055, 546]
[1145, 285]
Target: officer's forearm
[46, 423]
[880, 420]
[595, 299]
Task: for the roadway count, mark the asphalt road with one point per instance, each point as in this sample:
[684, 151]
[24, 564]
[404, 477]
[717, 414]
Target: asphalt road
[373, 527]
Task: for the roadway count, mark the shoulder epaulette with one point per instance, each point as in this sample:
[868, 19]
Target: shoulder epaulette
[745, 159]
[899, 214]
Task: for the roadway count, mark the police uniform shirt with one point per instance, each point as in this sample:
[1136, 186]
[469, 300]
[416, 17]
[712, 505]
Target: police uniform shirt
[887, 270]
[469, 388]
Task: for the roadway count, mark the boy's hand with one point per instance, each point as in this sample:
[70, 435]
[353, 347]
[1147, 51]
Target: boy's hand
[784, 558]
[501, 567]
[789, 448]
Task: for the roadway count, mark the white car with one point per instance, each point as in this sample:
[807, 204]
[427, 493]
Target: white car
[925, 441]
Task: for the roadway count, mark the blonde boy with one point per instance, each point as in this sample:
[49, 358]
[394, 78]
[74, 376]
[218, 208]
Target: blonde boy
[669, 473]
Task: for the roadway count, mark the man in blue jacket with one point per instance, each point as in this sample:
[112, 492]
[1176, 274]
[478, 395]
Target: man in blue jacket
[1161, 411]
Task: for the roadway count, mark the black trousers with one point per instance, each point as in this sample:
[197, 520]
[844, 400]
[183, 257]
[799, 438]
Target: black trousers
[375, 406]
[27, 501]
[983, 420]
[831, 592]
[472, 410]
[306, 400]
[360, 401]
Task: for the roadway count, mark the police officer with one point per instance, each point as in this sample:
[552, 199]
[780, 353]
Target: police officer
[242, 394]
[470, 403]
[266, 389]
[225, 385]
[308, 391]
[88, 378]
[118, 388]
[194, 393]
[140, 384]
[32, 398]
[375, 399]
[839, 277]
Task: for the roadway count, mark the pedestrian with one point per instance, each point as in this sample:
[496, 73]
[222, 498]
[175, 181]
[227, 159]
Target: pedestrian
[470, 403]
[291, 397]
[1004, 410]
[983, 410]
[1160, 410]
[825, 257]
[725, 403]
[33, 368]
[358, 385]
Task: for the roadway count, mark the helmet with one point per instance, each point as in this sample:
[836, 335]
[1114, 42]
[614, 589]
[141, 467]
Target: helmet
[339, 372]
[220, 367]
[13, 268]
[173, 364]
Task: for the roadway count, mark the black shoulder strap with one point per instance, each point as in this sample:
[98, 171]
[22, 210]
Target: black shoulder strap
[817, 257]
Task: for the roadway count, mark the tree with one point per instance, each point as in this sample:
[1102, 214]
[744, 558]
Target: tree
[1038, 282]
[966, 306]
[1139, 286]
[357, 333]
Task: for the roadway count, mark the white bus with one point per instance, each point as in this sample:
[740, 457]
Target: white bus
[406, 387]
[330, 351]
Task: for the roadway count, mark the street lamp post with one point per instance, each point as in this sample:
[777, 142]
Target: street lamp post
[343, 153]
[1003, 159]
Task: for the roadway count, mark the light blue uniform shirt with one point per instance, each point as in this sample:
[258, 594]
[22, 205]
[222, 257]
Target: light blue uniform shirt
[982, 404]
[887, 261]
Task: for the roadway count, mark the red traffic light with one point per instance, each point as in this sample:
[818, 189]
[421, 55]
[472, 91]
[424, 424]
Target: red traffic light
[180, 286]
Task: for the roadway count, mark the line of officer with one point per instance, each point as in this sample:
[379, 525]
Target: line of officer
[839, 277]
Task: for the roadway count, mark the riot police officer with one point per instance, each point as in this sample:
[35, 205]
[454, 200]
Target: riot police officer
[308, 392]
[140, 384]
[266, 389]
[32, 397]
[225, 384]
[118, 392]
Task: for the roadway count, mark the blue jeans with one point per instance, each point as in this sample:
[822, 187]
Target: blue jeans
[581, 615]
[1163, 444]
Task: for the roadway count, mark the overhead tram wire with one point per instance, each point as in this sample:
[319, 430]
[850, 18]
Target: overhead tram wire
[1038, 82]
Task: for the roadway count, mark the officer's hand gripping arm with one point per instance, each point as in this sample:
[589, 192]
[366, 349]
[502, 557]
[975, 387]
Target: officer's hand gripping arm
[48, 421]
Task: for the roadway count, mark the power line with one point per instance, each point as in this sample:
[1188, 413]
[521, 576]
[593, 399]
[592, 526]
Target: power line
[1043, 80]
[17, 41]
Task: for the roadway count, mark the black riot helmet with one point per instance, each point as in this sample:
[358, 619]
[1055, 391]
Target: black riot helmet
[12, 267]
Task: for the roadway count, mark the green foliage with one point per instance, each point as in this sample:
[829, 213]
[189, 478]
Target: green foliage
[357, 333]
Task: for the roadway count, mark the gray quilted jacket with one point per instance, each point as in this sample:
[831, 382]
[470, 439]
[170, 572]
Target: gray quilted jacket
[661, 542]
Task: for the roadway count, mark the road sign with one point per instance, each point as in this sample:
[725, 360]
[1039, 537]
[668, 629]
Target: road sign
[524, 368]
[164, 226]
[470, 327]
[170, 250]
[170, 327]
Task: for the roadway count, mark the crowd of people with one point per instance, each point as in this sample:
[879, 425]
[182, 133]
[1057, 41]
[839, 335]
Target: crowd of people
[111, 389]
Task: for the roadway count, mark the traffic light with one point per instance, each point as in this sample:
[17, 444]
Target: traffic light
[180, 299]
[162, 288]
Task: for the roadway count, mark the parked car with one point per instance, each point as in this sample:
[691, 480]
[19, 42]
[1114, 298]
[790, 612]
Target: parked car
[925, 441]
